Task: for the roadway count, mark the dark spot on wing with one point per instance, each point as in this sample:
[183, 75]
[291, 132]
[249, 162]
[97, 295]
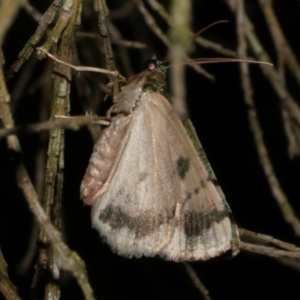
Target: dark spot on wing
[213, 180]
[141, 224]
[120, 192]
[196, 223]
[202, 183]
[182, 166]
[142, 176]
[188, 196]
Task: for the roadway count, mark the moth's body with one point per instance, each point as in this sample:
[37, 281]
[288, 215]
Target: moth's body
[150, 192]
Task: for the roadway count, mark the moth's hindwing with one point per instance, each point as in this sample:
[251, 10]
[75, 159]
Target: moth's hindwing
[157, 197]
[106, 153]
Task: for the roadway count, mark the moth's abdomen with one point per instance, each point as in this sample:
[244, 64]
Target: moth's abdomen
[103, 158]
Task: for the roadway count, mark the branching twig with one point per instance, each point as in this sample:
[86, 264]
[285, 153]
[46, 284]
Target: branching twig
[281, 198]
[67, 259]
[269, 251]
[267, 245]
[285, 57]
[259, 238]
[48, 258]
[27, 50]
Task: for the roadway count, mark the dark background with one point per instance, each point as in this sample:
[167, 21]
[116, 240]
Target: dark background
[220, 117]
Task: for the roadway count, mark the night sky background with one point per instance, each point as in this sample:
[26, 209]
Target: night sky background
[220, 117]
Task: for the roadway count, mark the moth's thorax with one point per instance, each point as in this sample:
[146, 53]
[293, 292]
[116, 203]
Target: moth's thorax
[147, 81]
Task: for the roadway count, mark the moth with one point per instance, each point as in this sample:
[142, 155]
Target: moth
[149, 183]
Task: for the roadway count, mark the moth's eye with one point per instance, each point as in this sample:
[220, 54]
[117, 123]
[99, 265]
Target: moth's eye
[151, 64]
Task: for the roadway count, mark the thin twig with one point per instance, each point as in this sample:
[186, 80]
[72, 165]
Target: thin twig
[269, 251]
[121, 12]
[287, 100]
[196, 281]
[114, 40]
[106, 48]
[122, 52]
[279, 39]
[292, 132]
[8, 12]
[27, 50]
[179, 35]
[7, 288]
[79, 68]
[150, 21]
[289, 262]
[178, 83]
[248, 235]
[32, 11]
[73, 123]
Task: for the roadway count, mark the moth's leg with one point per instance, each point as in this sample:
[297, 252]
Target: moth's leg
[116, 88]
[110, 111]
[84, 119]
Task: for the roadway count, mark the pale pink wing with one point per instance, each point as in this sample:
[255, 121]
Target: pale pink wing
[159, 198]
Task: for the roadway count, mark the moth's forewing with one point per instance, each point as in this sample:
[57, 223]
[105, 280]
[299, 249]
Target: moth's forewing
[203, 158]
[150, 191]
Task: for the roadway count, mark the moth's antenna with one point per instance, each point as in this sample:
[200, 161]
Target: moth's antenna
[208, 26]
[215, 60]
[168, 58]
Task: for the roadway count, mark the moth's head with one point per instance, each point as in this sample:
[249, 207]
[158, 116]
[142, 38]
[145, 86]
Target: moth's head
[155, 65]
[155, 75]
